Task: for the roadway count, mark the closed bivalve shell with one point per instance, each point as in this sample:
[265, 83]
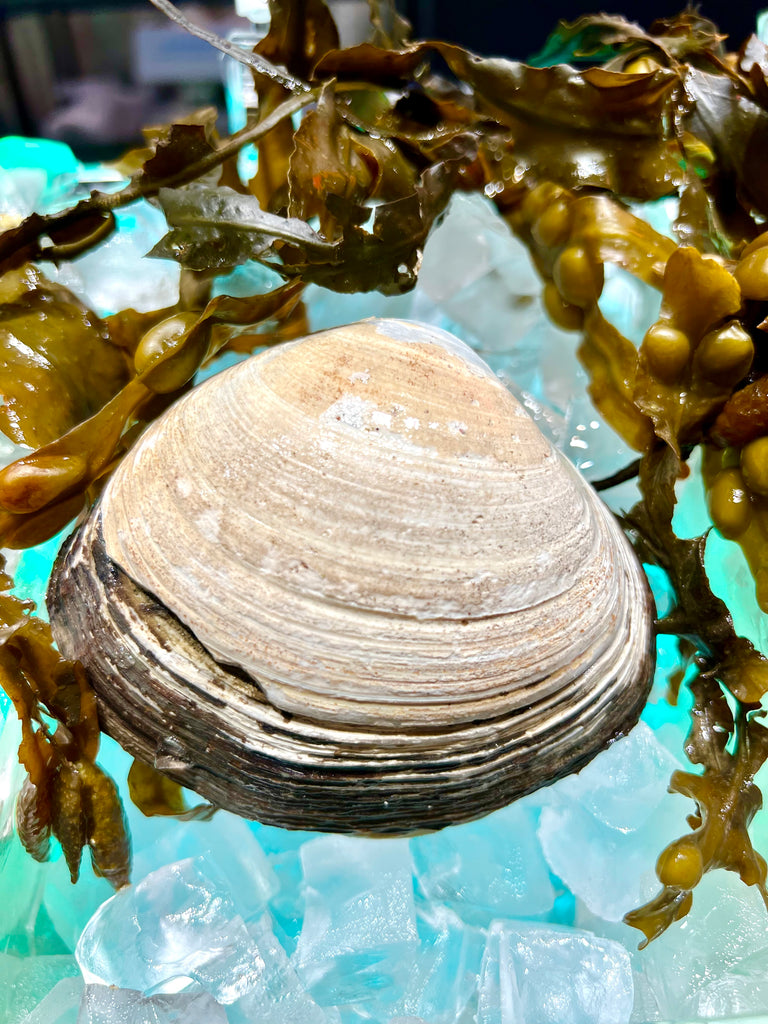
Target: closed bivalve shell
[348, 585]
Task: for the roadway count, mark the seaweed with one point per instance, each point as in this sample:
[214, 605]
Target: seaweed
[607, 114]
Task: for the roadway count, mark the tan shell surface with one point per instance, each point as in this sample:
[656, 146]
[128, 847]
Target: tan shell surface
[369, 524]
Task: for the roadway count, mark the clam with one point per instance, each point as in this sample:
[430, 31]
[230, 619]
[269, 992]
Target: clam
[348, 585]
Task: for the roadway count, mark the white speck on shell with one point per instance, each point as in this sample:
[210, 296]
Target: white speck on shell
[208, 522]
[361, 377]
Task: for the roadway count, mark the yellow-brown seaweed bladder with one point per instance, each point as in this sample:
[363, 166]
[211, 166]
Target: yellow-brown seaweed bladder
[348, 585]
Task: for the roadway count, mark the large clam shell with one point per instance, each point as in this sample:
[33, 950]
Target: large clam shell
[348, 585]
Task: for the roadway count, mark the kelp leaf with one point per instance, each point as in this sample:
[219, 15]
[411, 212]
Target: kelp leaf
[591, 38]
[167, 359]
[155, 794]
[725, 794]
[611, 362]
[654, 917]
[387, 258]
[299, 35]
[390, 29]
[711, 724]
[698, 292]
[176, 147]
[105, 826]
[324, 162]
[65, 467]
[735, 127]
[213, 228]
[598, 38]
[57, 362]
[55, 236]
[33, 820]
[698, 613]
[68, 814]
[596, 128]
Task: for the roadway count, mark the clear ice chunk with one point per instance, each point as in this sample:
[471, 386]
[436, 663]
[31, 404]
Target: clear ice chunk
[116, 275]
[584, 852]
[177, 926]
[106, 1005]
[20, 877]
[36, 175]
[486, 869]
[444, 969]
[553, 975]
[616, 812]
[287, 905]
[229, 846]
[61, 1005]
[623, 785]
[25, 981]
[476, 271]
[279, 997]
[407, 1020]
[359, 929]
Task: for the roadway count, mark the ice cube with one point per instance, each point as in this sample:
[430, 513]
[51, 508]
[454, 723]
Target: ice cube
[476, 271]
[279, 997]
[229, 846]
[287, 905]
[37, 174]
[736, 994]
[25, 981]
[623, 785]
[21, 888]
[617, 811]
[359, 929]
[61, 1005]
[645, 1009]
[106, 1005]
[499, 1000]
[178, 925]
[444, 969]
[116, 275]
[553, 975]
[326, 308]
[610, 870]
[489, 868]
[11, 777]
[628, 303]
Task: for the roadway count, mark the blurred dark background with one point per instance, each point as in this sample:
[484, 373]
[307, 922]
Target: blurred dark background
[92, 73]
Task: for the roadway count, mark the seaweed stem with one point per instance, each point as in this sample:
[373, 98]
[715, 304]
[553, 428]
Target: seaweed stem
[260, 64]
[619, 477]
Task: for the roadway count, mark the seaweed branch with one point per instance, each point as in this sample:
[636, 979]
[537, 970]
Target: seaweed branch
[65, 235]
[725, 795]
[254, 60]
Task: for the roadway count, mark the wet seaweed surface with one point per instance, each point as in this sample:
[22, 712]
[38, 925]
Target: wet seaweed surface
[606, 115]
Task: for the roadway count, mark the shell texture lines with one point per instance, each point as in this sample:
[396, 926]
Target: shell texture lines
[348, 585]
